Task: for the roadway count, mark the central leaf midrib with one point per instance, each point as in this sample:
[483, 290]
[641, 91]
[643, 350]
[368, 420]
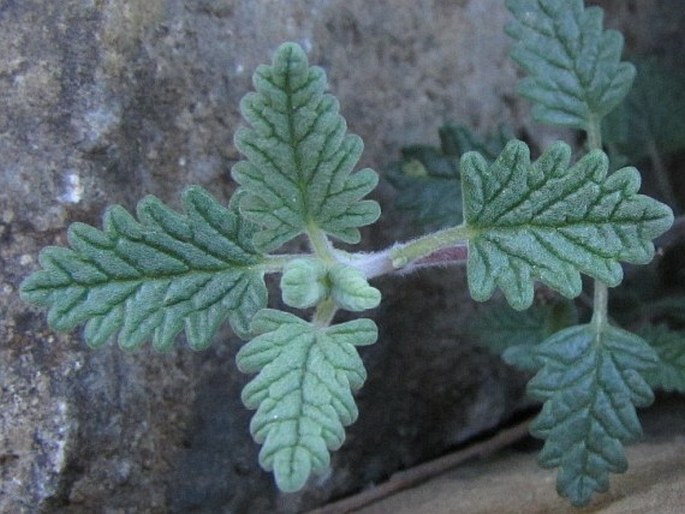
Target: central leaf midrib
[294, 144]
[154, 278]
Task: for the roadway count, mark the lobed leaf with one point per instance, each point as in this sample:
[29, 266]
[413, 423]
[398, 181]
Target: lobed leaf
[303, 392]
[652, 117]
[308, 281]
[590, 382]
[351, 291]
[670, 347]
[513, 334]
[427, 178]
[576, 73]
[155, 277]
[548, 221]
[298, 171]
[304, 282]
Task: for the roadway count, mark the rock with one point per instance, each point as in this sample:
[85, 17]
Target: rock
[512, 482]
[104, 102]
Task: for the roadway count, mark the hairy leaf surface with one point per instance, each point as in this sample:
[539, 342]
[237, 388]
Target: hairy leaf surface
[298, 171]
[548, 221]
[590, 383]
[304, 282]
[576, 73]
[153, 278]
[427, 178]
[303, 392]
[670, 347]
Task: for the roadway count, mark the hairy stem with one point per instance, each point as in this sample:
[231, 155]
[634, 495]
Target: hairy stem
[600, 304]
[382, 263]
[413, 252]
[320, 244]
[325, 311]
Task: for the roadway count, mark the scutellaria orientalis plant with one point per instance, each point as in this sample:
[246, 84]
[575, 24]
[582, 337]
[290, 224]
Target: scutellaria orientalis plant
[516, 221]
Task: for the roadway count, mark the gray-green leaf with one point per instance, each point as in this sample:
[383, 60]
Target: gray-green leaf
[576, 73]
[590, 383]
[303, 392]
[548, 221]
[298, 171]
[427, 178]
[153, 278]
[513, 334]
[350, 289]
[304, 282]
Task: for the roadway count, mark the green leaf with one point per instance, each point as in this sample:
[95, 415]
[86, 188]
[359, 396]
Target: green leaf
[351, 291]
[670, 347]
[513, 334]
[427, 178]
[298, 171]
[652, 117]
[590, 383]
[303, 392]
[576, 73]
[153, 278]
[308, 281]
[547, 221]
[304, 282]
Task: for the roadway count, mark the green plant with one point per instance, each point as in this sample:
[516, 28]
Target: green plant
[546, 220]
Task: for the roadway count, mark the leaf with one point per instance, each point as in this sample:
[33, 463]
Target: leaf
[670, 347]
[308, 281]
[652, 117]
[153, 278]
[298, 171]
[304, 282]
[351, 291]
[576, 73]
[591, 383]
[427, 178]
[513, 334]
[303, 392]
[545, 221]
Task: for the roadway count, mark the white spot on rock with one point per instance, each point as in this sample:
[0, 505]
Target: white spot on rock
[73, 191]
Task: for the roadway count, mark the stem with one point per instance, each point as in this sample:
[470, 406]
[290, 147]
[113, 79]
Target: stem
[324, 313]
[276, 263]
[404, 255]
[320, 244]
[600, 304]
[381, 263]
[594, 134]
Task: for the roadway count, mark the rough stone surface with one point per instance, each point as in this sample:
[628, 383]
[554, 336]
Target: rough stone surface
[513, 482]
[104, 101]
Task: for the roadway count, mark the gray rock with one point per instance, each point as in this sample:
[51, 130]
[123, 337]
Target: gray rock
[104, 102]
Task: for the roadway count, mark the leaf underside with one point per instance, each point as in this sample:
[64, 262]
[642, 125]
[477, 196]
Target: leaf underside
[155, 277]
[590, 384]
[303, 390]
[670, 347]
[548, 221]
[298, 171]
[576, 73]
